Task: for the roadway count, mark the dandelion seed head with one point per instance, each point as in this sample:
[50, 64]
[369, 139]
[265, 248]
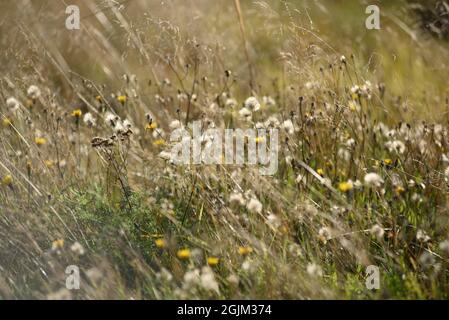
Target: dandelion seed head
[287, 125]
[325, 234]
[77, 248]
[372, 179]
[89, 120]
[33, 92]
[314, 270]
[377, 231]
[422, 236]
[254, 206]
[237, 198]
[12, 104]
[252, 104]
[231, 103]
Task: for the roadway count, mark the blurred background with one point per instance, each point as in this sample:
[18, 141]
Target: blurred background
[410, 48]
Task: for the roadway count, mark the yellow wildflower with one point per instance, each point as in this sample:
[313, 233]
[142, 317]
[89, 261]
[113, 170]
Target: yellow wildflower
[48, 163]
[320, 172]
[399, 190]
[159, 142]
[7, 180]
[57, 244]
[40, 141]
[345, 186]
[243, 251]
[122, 99]
[183, 254]
[212, 261]
[352, 105]
[151, 126]
[6, 122]
[160, 243]
[77, 113]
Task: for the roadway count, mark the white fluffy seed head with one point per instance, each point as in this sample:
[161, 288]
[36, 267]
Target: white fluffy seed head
[252, 104]
[372, 179]
[33, 92]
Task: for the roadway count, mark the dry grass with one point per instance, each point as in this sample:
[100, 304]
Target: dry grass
[92, 191]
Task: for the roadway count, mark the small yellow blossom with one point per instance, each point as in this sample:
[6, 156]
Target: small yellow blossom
[122, 99]
[183, 254]
[57, 244]
[151, 126]
[6, 122]
[388, 162]
[399, 190]
[159, 142]
[212, 261]
[160, 243]
[48, 163]
[40, 141]
[352, 105]
[243, 251]
[345, 186]
[77, 113]
[320, 172]
[7, 180]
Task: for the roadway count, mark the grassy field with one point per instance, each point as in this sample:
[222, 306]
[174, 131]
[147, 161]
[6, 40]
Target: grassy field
[85, 121]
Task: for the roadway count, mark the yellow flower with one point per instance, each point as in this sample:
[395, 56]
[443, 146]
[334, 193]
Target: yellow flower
[6, 122]
[77, 113]
[7, 180]
[320, 172]
[212, 261]
[352, 105]
[243, 251]
[57, 244]
[48, 163]
[40, 141]
[160, 243]
[259, 139]
[388, 162]
[151, 126]
[399, 190]
[159, 142]
[122, 99]
[345, 186]
[183, 254]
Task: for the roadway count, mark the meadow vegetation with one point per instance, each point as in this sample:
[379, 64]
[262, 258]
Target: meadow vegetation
[86, 177]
